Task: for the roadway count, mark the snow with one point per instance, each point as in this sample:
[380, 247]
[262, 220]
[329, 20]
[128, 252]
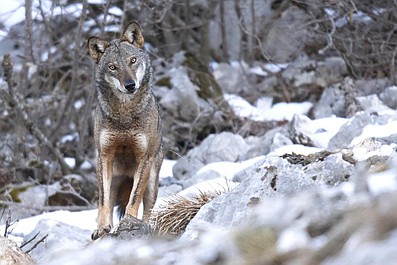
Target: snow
[166, 168]
[321, 131]
[82, 219]
[228, 169]
[70, 161]
[12, 12]
[78, 104]
[69, 137]
[376, 130]
[263, 112]
[382, 181]
[212, 186]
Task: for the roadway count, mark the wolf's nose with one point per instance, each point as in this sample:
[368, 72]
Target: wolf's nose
[129, 85]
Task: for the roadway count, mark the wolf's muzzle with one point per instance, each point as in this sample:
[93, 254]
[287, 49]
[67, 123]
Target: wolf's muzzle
[129, 85]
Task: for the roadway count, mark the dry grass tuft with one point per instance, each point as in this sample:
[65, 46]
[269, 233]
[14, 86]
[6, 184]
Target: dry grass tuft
[173, 218]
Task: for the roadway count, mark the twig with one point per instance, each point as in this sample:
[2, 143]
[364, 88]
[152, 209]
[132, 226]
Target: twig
[2, 214]
[30, 240]
[9, 223]
[329, 37]
[15, 102]
[36, 244]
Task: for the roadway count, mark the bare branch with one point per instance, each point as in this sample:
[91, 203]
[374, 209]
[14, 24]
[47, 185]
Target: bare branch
[30, 240]
[36, 244]
[16, 103]
[330, 35]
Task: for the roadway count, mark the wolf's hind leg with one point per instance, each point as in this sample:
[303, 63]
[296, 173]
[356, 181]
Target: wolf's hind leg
[150, 195]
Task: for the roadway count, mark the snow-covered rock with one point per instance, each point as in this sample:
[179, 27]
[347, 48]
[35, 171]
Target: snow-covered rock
[225, 146]
[61, 237]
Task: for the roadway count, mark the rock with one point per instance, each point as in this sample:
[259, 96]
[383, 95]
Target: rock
[332, 102]
[200, 177]
[11, 254]
[350, 130]
[365, 87]
[372, 104]
[298, 130]
[270, 141]
[279, 140]
[130, 228]
[182, 101]
[225, 146]
[389, 97]
[168, 186]
[377, 252]
[275, 176]
[283, 43]
[61, 237]
[231, 78]
[321, 73]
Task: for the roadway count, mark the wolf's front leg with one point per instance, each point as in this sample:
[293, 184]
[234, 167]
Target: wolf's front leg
[106, 199]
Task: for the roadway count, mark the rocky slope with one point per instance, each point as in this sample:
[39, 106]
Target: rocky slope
[317, 190]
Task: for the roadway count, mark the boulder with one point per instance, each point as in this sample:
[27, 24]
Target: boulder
[350, 130]
[275, 176]
[225, 146]
[389, 97]
[332, 102]
[231, 78]
[61, 237]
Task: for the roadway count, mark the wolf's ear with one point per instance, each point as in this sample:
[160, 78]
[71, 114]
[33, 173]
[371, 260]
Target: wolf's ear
[96, 48]
[133, 34]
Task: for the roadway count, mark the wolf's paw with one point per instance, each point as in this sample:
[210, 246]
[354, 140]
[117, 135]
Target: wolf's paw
[100, 232]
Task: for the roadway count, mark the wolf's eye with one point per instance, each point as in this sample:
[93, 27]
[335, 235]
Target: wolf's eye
[133, 60]
[112, 67]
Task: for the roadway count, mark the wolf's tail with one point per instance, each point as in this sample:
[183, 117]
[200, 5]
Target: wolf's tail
[123, 196]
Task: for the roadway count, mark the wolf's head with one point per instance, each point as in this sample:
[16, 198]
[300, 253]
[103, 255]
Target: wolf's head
[121, 64]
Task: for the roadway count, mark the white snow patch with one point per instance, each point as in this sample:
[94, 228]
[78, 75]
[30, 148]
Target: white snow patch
[362, 153]
[322, 130]
[86, 165]
[358, 16]
[383, 181]
[257, 70]
[12, 12]
[166, 168]
[228, 169]
[114, 10]
[83, 219]
[292, 238]
[70, 161]
[78, 104]
[262, 112]
[275, 68]
[69, 137]
[208, 186]
[376, 130]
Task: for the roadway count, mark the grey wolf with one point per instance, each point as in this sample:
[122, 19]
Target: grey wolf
[127, 128]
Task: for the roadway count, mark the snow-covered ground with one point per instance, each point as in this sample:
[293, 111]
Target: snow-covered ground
[321, 132]
[322, 129]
